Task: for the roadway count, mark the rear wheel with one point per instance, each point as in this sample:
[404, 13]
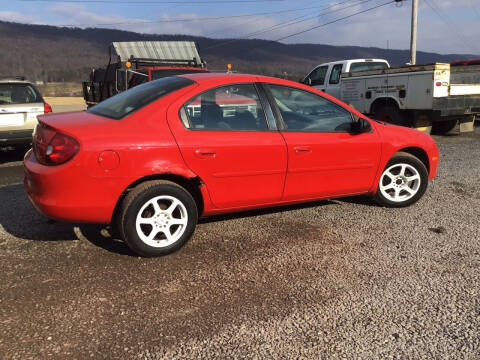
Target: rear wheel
[157, 218]
[443, 127]
[390, 114]
[403, 182]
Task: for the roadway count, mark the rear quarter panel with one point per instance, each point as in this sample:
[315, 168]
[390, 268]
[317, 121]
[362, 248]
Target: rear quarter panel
[143, 142]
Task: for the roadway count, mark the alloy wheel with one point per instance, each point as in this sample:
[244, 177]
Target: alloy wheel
[161, 221]
[400, 182]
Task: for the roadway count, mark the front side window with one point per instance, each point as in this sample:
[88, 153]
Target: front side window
[317, 76]
[134, 99]
[233, 107]
[18, 93]
[335, 74]
[305, 111]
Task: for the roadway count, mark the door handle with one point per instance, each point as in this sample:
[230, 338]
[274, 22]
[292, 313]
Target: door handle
[205, 153]
[302, 149]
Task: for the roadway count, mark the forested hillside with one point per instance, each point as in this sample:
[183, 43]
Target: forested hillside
[51, 53]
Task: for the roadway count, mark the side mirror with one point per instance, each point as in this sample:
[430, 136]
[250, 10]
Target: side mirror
[360, 125]
[306, 81]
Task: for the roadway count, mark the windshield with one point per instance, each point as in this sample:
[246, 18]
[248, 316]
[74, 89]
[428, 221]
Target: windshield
[372, 65]
[18, 93]
[125, 103]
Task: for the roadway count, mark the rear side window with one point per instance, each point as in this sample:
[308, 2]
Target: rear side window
[371, 65]
[234, 107]
[14, 93]
[127, 102]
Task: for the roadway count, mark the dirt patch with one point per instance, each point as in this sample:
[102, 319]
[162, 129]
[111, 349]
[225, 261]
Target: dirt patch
[65, 100]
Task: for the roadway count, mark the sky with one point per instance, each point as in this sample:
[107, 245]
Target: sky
[444, 26]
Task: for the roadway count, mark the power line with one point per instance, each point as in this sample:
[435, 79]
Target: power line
[319, 14]
[250, 48]
[444, 18]
[334, 21]
[287, 23]
[255, 20]
[191, 19]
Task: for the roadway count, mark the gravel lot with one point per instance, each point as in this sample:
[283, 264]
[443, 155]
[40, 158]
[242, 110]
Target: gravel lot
[339, 279]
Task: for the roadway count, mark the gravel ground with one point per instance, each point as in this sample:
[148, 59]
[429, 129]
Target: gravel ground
[341, 279]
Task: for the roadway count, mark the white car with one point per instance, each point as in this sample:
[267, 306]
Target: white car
[20, 104]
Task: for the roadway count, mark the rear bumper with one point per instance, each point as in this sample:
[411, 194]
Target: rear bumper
[459, 105]
[65, 192]
[12, 137]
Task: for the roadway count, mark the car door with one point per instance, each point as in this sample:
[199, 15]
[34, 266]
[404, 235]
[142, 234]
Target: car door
[333, 87]
[225, 139]
[325, 158]
[317, 77]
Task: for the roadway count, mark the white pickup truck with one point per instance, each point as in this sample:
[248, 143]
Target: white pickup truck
[419, 96]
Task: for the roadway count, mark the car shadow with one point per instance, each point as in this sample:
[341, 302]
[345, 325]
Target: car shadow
[265, 211]
[18, 218]
[359, 200]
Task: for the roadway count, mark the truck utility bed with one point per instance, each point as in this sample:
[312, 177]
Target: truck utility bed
[463, 80]
[425, 93]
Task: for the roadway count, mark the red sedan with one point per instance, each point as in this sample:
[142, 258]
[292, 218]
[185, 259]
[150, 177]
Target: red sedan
[155, 158]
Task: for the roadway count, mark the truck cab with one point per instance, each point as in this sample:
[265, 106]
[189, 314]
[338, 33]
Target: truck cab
[327, 77]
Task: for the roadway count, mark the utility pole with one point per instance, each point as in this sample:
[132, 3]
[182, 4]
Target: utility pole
[413, 39]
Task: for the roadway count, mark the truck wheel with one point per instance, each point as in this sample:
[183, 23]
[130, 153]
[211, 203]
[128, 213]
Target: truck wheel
[157, 218]
[443, 127]
[390, 114]
[403, 182]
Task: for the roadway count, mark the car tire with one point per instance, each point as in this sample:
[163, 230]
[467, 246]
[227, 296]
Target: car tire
[157, 218]
[443, 127]
[403, 181]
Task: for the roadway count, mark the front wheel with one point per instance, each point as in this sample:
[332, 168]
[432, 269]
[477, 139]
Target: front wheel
[403, 182]
[157, 218]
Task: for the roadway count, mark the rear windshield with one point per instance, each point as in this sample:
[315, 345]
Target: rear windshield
[125, 103]
[15, 93]
[373, 65]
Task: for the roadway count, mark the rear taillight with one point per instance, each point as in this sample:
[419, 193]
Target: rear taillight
[47, 108]
[51, 147]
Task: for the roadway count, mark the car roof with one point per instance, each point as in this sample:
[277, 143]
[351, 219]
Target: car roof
[14, 81]
[231, 78]
[351, 61]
